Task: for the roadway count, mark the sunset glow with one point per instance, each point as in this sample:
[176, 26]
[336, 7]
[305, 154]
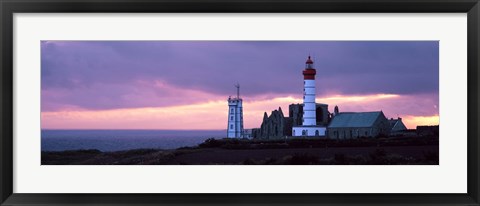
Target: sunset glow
[213, 114]
[412, 121]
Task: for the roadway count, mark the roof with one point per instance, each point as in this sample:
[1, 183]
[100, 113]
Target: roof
[309, 60]
[355, 119]
[393, 122]
[397, 124]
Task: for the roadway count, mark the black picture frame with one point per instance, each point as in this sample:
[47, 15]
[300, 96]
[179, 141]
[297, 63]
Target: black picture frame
[10, 7]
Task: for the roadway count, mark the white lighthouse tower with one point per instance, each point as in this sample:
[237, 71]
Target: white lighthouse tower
[235, 116]
[309, 117]
[309, 121]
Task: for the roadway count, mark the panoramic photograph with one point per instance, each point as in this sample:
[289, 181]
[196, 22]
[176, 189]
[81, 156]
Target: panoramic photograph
[239, 102]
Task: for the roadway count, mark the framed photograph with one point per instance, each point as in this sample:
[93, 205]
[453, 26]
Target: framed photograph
[216, 102]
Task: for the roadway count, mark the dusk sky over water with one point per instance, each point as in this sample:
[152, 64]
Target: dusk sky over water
[185, 84]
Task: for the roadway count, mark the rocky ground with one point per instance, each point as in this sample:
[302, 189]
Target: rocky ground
[385, 151]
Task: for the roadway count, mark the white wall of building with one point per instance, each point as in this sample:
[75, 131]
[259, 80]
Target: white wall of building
[309, 131]
[239, 120]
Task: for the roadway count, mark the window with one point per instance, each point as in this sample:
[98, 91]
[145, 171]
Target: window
[231, 110]
[231, 117]
[231, 126]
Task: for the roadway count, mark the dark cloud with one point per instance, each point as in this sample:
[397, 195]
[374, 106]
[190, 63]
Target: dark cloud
[106, 74]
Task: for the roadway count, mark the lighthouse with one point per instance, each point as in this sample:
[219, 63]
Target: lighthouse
[235, 116]
[309, 73]
[309, 120]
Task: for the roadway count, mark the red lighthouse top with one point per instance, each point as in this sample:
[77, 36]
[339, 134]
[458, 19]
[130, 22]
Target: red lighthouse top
[309, 72]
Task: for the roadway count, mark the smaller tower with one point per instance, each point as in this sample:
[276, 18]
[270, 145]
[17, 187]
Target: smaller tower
[335, 111]
[235, 116]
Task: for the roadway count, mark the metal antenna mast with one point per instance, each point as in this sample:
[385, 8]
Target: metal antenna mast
[238, 90]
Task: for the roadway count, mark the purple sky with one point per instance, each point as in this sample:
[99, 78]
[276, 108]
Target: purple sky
[102, 75]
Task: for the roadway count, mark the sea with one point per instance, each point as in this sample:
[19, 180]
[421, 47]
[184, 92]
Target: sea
[117, 140]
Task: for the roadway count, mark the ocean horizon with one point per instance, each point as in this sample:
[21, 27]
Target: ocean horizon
[107, 140]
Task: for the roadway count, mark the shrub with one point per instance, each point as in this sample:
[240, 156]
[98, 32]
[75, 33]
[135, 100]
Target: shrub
[249, 161]
[304, 159]
[340, 159]
[210, 143]
[431, 157]
[271, 161]
[378, 156]
[378, 153]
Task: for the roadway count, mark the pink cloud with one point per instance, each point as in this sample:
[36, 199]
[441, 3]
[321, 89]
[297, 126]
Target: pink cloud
[212, 114]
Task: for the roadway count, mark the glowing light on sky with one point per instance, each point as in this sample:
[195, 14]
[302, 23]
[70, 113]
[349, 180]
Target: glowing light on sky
[211, 115]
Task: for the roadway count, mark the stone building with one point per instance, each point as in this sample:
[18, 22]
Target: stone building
[348, 125]
[275, 126]
[295, 111]
[397, 127]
